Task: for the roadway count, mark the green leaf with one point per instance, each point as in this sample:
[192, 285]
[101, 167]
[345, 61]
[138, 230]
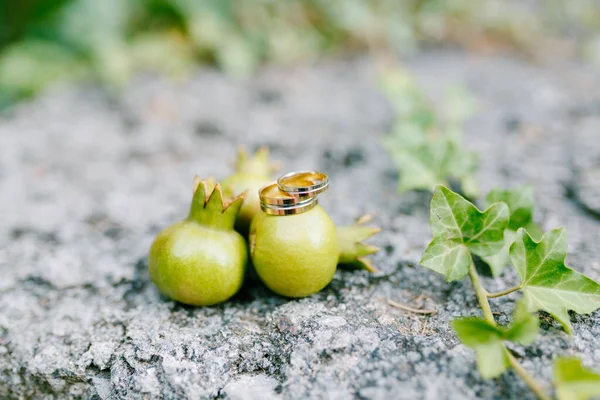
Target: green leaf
[534, 230]
[525, 327]
[520, 201]
[459, 105]
[547, 283]
[405, 95]
[428, 152]
[459, 229]
[432, 162]
[406, 133]
[447, 257]
[574, 381]
[487, 339]
[499, 261]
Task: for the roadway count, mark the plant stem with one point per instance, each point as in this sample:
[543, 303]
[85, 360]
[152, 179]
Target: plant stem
[409, 308]
[481, 294]
[503, 293]
[482, 298]
[533, 385]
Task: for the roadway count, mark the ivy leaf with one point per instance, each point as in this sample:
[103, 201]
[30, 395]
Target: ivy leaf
[459, 106]
[574, 381]
[406, 133]
[407, 98]
[426, 148]
[547, 283]
[487, 339]
[520, 201]
[460, 229]
[499, 261]
[433, 162]
[525, 326]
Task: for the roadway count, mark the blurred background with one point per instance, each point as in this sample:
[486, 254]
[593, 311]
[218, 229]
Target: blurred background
[109, 107]
[43, 42]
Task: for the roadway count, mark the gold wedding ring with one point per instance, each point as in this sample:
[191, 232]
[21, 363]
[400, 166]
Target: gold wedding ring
[303, 184]
[293, 193]
[270, 195]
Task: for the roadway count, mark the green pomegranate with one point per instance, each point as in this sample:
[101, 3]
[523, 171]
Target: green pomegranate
[251, 173]
[201, 260]
[297, 255]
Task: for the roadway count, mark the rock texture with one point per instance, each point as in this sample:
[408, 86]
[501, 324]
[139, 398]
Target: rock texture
[87, 182]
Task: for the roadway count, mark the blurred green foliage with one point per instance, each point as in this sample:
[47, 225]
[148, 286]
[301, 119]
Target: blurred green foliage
[44, 41]
[426, 143]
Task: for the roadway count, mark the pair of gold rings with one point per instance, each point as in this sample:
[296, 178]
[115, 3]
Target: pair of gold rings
[293, 193]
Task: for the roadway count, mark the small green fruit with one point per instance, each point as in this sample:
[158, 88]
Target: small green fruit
[201, 260]
[294, 255]
[251, 174]
[238, 183]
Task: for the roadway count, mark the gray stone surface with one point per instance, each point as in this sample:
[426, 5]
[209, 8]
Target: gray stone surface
[86, 183]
